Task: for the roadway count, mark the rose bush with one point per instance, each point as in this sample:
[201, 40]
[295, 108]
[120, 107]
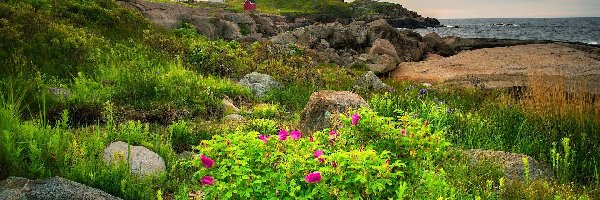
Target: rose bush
[368, 157]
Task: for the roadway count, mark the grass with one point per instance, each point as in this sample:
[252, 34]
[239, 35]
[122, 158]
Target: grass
[124, 80]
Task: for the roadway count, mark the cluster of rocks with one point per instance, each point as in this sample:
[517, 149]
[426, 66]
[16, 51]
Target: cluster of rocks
[376, 44]
[212, 24]
[395, 14]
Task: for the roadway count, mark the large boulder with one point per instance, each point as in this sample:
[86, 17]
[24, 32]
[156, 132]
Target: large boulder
[383, 46]
[432, 39]
[258, 83]
[324, 107]
[370, 82]
[511, 163]
[142, 161]
[378, 63]
[55, 188]
[407, 43]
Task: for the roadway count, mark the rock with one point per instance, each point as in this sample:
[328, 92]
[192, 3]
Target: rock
[284, 39]
[59, 93]
[381, 64]
[239, 18]
[229, 30]
[359, 32]
[229, 107]
[370, 82]
[234, 117]
[512, 163]
[432, 40]
[258, 83]
[265, 25]
[324, 106]
[383, 46]
[431, 56]
[50, 189]
[142, 161]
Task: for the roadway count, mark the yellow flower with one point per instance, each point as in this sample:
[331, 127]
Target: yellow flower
[413, 153]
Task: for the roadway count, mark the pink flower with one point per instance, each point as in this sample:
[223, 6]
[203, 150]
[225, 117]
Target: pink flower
[263, 138]
[332, 135]
[331, 142]
[207, 162]
[321, 160]
[207, 180]
[403, 131]
[310, 138]
[355, 118]
[318, 153]
[334, 164]
[313, 177]
[296, 134]
[283, 135]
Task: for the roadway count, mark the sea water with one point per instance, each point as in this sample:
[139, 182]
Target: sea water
[583, 29]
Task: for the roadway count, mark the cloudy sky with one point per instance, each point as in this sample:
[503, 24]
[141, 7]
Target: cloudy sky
[444, 9]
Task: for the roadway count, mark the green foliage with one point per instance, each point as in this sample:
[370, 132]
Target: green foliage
[352, 166]
[182, 138]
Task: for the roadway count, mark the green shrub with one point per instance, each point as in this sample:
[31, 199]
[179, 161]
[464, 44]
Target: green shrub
[182, 138]
[352, 165]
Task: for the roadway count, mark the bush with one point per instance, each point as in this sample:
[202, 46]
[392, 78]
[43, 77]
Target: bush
[352, 166]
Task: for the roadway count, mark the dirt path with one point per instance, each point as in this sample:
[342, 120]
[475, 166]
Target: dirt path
[505, 67]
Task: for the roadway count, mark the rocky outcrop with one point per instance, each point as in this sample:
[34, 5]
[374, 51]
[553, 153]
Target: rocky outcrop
[223, 24]
[142, 161]
[511, 163]
[394, 14]
[324, 107]
[510, 67]
[344, 44]
[16, 188]
[258, 83]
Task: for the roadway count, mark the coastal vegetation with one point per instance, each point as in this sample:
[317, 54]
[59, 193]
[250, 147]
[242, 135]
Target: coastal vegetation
[76, 76]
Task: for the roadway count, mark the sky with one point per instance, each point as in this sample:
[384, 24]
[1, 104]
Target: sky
[446, 9]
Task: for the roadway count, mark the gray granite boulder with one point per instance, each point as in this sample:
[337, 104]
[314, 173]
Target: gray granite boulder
[258, 83]
[55, 188]
[142, 161]
[512, 163]
[370, 82]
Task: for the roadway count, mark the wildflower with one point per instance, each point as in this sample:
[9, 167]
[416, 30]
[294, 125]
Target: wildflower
[355, 118]
[332, 135]
[310, 138]
[387, 161]
[206, 161]
[403, 131]
[263, 138]
[318, 153]
[423, 91]
[283, 134]
[331, 142]
[267, 155]
[296, 134]
[313, 177]
[207, 180]
[333, 164]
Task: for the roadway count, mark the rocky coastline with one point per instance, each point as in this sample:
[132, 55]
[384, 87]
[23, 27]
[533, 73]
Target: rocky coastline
[373, 41]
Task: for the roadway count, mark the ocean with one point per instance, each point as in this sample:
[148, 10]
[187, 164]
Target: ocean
[584, 29]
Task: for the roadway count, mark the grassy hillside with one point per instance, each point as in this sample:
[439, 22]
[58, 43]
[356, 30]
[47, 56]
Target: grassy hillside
[78, 75]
